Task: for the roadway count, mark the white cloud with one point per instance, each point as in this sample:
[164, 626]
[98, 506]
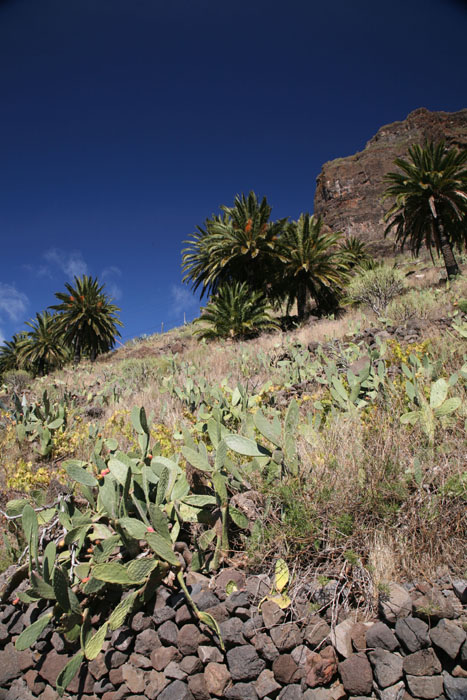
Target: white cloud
[12, 303]
[183, 300]
[73, 263]
[2, 337]
[109, 276]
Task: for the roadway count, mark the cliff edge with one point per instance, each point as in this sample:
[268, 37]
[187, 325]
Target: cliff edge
[349, 190]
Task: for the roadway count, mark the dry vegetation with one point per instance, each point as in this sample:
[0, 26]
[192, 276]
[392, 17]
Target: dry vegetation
[371, 497]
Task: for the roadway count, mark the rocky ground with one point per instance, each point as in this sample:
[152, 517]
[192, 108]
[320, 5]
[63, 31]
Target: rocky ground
[415, 648]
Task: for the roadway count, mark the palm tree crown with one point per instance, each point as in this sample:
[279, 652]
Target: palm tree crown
[10, 353]
[312, 264]
[235, 312]
[430, 206]
[42, 347]
[236, 245]
[87, 320]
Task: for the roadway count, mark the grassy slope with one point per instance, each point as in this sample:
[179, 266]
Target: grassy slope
[372, 497]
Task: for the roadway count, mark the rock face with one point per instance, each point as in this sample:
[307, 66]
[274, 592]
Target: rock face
[348, 190]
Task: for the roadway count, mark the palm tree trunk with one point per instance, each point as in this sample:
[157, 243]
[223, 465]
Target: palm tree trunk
[77, 355]
[447, 252]
[301, 300]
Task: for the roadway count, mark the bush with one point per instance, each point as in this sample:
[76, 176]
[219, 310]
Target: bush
[376, 288]
[17, 379]
[414, 304]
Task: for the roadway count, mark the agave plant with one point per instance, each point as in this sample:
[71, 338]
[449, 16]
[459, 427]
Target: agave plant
[87, 321]
[235, 312]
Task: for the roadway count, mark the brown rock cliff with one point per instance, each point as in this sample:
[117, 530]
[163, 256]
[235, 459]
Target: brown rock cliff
[349, 190]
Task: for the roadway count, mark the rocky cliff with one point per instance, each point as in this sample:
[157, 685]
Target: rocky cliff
[348, 190]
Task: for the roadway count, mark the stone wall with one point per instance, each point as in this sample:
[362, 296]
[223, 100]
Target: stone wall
[415, 648]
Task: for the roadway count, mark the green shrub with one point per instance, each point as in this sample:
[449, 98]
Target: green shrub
[413, 304]
[17, 380]
[376, 288]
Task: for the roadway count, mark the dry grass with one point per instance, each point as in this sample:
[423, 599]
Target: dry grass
[356, 500]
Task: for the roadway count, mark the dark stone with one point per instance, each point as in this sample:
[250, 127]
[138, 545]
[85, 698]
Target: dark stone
[168, 633]
[316, 631]
[460, 589]
[238, 599]
[140, 660]
[387, 667]
[114, 659]
[176, 691]
[58, 642]
[10, 666]
[428, 687]
[188, 639]
[434, 606]
[140, 622]
[205, 600]
[197, 685]
[266, 684]
[251, 626]
[174, 671]
[272, 614]
[122, 639]
[258, 586]
[379, 635]
[102, 686]
[208, 654]
[191, 665]
[219, 613]
[163, 614]
[356, 674]
[244, 663]
[18, 691]
[287, 636]
[291, 692]
[16, 624]
[241, 691]
[83, 682]
[455, 688]
[217, 678]
[265, 646]
[448, 636]
[320, 668]
[285, 669]
[6, 613]
[161, 657]
[146, 642]
[413, 633]
[231, 632]
[98, 667]
[183, 615]
[422, 663]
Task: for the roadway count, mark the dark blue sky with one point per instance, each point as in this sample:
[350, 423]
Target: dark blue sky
[125, 123]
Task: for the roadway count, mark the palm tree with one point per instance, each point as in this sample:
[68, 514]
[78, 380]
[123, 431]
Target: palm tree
[10, 353]
[235, 246]
[430, 205]
[312, 265]
[87, 321]
[235, 312]
[43, 348]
